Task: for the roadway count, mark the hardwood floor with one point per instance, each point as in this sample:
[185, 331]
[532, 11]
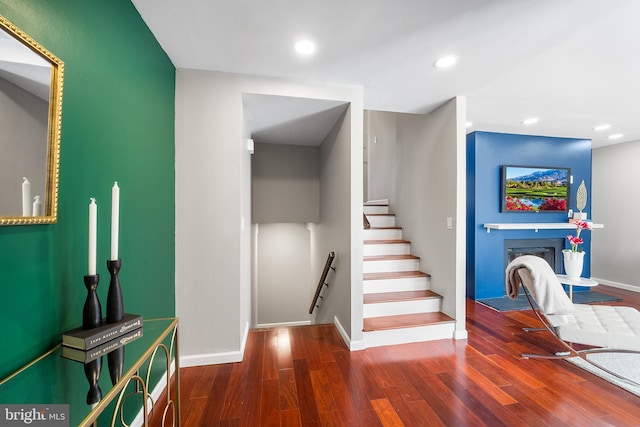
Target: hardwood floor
[305, 376]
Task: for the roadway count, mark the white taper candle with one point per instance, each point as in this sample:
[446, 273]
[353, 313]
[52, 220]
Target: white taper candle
[26, 198]
[115, 219]
[37, 206]
[93, 232]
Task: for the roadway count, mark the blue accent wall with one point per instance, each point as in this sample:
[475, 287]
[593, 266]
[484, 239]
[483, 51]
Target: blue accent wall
[486, 153]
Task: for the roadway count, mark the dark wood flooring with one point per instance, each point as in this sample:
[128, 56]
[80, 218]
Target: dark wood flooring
[305, 376]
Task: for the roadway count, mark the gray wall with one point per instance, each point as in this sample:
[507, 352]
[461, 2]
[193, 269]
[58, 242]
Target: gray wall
[23, 144]
[426, 155]
[285, 184]
[213, 207]
[615, 251]
[340, 227]
[211, 221]
[382, 152]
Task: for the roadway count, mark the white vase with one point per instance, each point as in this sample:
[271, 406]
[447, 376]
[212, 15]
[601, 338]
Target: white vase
[573, 263]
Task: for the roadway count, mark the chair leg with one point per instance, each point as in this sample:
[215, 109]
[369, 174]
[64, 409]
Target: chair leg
[557, 356]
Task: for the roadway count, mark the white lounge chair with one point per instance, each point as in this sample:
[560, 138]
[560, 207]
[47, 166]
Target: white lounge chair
[603, 328]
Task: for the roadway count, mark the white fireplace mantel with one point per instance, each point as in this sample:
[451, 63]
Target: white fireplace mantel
[536, 226]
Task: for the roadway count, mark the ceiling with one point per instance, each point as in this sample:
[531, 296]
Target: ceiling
[574, 64]
[23, 67]
[290, 120]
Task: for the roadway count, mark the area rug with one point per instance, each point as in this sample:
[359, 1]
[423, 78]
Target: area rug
[624, 364]
[507, 304]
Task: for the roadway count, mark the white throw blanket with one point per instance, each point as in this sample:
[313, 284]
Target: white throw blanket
[544, 286]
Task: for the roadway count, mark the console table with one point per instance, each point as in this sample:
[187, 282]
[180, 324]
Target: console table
[52, 379]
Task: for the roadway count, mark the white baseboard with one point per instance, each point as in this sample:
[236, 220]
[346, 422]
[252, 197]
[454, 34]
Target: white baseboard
[283, 324]
[245, 337]
[619, 285]
[211, 359]
[353, 345]
[217, 358]
[460, 334]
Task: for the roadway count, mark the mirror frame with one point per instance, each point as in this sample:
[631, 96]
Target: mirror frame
[53, 134]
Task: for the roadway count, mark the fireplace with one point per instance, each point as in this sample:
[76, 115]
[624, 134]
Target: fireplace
[548, 249]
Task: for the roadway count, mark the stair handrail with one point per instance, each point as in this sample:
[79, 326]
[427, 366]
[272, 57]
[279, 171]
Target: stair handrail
[322, 281]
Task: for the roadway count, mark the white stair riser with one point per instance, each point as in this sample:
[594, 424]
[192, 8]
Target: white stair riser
[382, 220]
[384, 234]
[395, 285]
[428, 305]
[407, 335]
[390, 265]
[377, 202]
[387, 249]
[376, 209]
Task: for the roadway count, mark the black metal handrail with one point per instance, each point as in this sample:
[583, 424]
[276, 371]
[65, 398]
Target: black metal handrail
[322, 281]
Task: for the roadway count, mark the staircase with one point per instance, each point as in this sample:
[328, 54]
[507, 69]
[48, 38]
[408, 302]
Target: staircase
[399, 307]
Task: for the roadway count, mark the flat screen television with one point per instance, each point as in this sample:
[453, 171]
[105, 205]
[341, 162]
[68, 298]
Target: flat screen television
[535, 189]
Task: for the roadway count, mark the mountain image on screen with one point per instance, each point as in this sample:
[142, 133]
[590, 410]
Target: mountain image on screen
[549, 175]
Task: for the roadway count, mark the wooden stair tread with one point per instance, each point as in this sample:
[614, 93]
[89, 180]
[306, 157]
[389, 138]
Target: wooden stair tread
[387, 214]
[390, 257]
[394, 275]
[405, 321]
[385, 241]
[399, 296]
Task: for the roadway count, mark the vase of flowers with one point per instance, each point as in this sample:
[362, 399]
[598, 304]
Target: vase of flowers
[574, 257]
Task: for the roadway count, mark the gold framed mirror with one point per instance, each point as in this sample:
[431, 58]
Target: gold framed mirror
[31, 80]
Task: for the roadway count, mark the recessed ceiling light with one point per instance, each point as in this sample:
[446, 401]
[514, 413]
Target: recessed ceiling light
[305, 47]
[446, 61]
[616, 136]
[530, 121]
[601, 127]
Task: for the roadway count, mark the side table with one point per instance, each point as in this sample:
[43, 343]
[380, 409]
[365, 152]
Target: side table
[580, 281]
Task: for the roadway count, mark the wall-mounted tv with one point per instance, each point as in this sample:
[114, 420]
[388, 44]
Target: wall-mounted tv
[535, 189]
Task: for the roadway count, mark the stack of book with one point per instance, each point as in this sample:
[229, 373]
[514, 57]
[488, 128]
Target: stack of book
[85, 345]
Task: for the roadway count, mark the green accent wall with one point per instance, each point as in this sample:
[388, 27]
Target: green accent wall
[117, 125]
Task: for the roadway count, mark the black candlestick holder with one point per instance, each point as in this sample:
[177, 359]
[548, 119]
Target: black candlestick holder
[92, 312]
[115, 305]
[115, 360]
[92, 372]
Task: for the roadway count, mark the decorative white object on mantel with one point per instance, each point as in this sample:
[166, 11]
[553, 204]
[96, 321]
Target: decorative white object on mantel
[581, 202]
[536, 226]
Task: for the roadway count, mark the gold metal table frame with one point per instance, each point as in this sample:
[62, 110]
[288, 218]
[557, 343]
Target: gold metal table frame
[52, 379]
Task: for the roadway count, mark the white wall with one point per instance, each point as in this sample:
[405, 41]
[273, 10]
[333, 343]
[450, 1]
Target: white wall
[213, 232]
[427, 155]
[614, 202]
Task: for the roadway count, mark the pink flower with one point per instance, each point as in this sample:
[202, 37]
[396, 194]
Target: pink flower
[581, 225]
[576, 240]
